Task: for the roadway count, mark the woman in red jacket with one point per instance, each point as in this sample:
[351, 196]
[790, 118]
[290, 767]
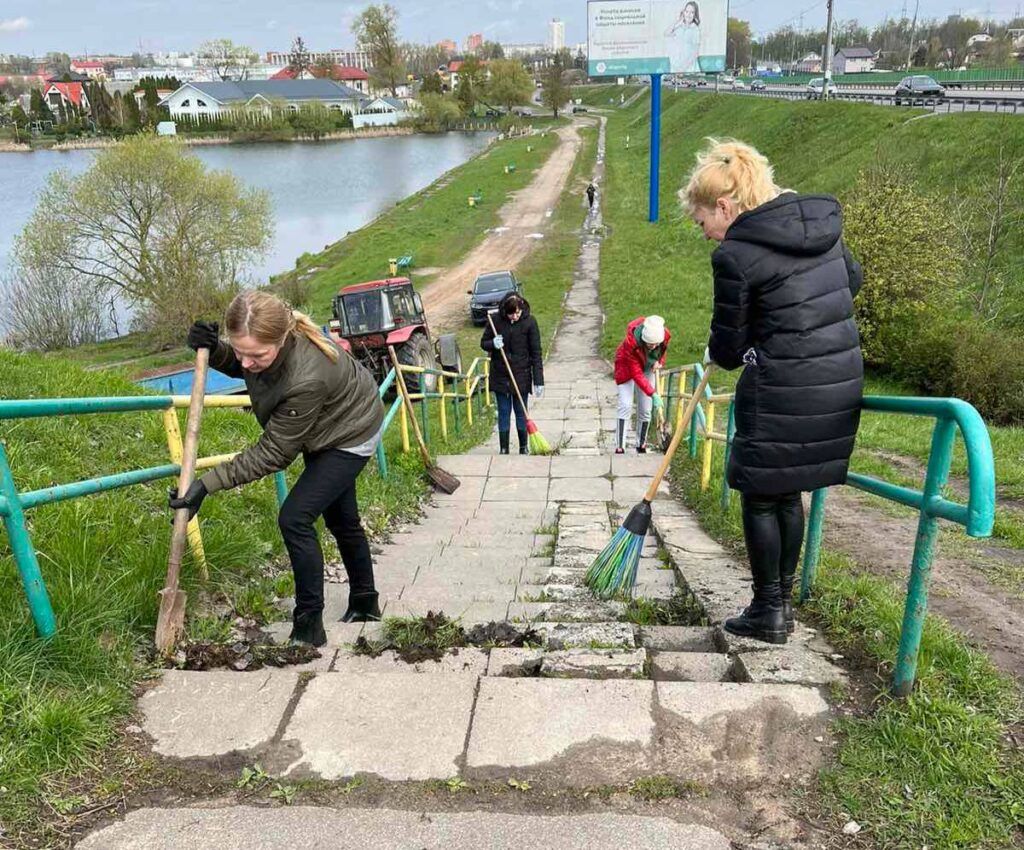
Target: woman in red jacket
[639, 355]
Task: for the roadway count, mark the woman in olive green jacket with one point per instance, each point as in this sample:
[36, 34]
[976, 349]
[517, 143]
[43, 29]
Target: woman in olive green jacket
[312, 399]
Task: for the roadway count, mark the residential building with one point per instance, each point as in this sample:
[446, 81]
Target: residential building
[209, 99]
[190, 75]
[92, 69]
[448, 46]
[474, 42]
[809, 64]
[58, 94]
[523, 49]
[352, 58]
[381, 112]
[354, 78]
[556, 34]
[853, 60]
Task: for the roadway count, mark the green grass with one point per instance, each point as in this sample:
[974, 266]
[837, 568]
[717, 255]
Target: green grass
[104, 559]
[600, 95]
[667, 266]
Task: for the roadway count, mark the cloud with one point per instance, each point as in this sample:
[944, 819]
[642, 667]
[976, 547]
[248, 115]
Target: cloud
[15, 24]
[271, 25]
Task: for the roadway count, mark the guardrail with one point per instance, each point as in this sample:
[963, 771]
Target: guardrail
[462, 392]
[951, 415]
[936, 104]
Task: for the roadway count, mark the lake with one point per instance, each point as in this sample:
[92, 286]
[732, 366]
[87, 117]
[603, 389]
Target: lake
[319, 191]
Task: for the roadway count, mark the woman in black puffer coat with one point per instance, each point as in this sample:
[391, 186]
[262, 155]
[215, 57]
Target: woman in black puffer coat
[784, 288]
[519, 337]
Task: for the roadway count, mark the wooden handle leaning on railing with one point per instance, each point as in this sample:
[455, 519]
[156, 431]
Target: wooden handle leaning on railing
[677, 437]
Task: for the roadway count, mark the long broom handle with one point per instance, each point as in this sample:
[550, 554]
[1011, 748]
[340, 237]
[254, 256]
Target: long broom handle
[188, 466]
[400, 378]
[677, 437]
[508, 366]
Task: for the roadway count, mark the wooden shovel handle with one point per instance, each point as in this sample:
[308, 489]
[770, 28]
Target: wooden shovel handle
[508, 365]
[677, 437]
[188, 466]
[400, 380]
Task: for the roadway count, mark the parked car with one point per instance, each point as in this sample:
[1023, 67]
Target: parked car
[576, 109]
[522, 111]
[758, 85]
[916, 86]
[739, 85]
[487, 292]
[816, 87]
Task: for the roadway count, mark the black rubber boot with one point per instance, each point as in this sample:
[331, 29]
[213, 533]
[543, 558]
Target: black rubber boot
[620, 437]
[308, 628]
[641, 438]
[362, 608]
[503, 442]
[762, 619]
[524, 443]
[786, 594]
[791, 536]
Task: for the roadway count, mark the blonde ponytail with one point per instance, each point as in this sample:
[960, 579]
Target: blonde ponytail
[730, 169]
[267, 318]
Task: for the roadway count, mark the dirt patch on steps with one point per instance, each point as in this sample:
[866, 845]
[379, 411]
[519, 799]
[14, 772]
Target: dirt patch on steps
[525, 215]
[990, 616]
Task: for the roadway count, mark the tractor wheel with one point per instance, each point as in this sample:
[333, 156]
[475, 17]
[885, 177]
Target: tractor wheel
[448, 353]
[417, 352]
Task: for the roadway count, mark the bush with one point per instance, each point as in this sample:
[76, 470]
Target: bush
[903, 239]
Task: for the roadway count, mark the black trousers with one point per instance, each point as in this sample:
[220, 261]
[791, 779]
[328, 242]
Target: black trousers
[773, 527]
[327, 488]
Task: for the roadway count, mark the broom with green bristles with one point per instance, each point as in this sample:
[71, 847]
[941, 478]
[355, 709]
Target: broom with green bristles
[538, 445]
[614, 570]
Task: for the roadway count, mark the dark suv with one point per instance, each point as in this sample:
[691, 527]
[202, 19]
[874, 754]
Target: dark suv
[918, 86]
[487, 292]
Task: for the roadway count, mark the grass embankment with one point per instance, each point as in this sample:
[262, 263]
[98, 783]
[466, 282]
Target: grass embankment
[603, 95]
[936, 770]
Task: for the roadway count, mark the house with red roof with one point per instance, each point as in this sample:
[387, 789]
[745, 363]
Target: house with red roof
[354, 78]
[93, 70]
[58, 94]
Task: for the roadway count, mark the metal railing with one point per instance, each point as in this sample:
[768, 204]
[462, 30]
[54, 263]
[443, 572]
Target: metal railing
[462, 391]
[977, 516]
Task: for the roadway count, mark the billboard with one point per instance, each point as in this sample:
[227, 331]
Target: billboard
[656, 36]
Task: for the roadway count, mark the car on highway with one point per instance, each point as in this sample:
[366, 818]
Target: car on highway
[487, 292]
[758, 85]
[576, 109]
[916, 86]
[816, 87]
[739, 85]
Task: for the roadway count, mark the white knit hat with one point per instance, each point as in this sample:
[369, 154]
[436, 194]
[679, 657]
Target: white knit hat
[653, 332]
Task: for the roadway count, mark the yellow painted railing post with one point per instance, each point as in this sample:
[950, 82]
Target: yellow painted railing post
[469, 401]
[709, 444]
[444, 407]
[174, 447]
[487, 382]
[404, 421]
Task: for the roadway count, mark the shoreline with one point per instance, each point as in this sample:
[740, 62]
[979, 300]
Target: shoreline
[205, 141]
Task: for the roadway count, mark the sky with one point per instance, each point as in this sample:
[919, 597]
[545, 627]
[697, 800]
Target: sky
[35, 27]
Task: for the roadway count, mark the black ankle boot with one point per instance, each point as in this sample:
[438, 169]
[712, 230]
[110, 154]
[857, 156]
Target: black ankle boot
[524, 443]
[308, 628]
[620, 437]
[503, 442]
[786, 591]
[762, 619]
[362, 608]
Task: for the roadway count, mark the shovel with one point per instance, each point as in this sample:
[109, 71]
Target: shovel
[170, 623]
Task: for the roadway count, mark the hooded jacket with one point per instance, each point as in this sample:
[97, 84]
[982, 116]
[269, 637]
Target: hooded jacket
[522, 347]
[632, 359]
[784, 288]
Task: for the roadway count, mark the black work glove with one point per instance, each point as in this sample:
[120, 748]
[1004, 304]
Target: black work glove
[193, 498]
[204, 335]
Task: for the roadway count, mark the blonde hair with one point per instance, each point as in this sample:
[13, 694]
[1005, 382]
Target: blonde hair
[727, 168]
[267, 318]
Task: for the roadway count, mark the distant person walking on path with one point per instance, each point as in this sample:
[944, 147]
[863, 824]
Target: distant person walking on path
[591, 192]
[311, 399]
[519, 337]
[783, 311]
[639, 356]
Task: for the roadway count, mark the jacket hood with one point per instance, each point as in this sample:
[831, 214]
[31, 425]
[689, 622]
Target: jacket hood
[526, 306]
[806, 225]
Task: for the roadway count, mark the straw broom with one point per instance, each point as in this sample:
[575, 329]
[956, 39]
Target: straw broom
[538, 445]
[614, 570]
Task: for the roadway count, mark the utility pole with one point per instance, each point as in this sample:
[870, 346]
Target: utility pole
[913, 32]
[827, 58]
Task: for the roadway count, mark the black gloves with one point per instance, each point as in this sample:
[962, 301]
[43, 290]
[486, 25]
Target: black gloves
[193, 498]
[204, 335]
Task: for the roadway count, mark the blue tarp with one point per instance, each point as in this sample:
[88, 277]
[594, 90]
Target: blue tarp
[180, 383]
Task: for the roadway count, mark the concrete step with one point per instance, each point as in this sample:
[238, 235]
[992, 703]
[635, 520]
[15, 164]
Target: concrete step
[569, 663]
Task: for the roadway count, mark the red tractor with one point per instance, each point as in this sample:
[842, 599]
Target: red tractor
[368, 317]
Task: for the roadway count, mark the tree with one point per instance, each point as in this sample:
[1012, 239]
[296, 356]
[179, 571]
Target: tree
[58, 63]
[464, 94]
[150, 224]
[47, 310]
[231, 61]
[313, 120]
[510, 84]
[298, 58]
[737, 48]
[38, 108]
[490, 50]
[436, 112]
[431, 84]
[324, 68]
[556, 93]
[376, 31]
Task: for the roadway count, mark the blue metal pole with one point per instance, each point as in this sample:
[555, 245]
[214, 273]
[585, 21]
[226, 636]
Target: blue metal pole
[32, 408]
[382, 461]
[655, 145]
[25, 554]
[280, 487]
[63, 492]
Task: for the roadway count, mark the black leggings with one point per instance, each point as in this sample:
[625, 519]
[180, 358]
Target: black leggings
[327, 487]
[773, 527]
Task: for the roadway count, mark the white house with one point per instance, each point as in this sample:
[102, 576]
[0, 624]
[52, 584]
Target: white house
[810, 64]
[381, 112]
[207, 100]
[853, 60]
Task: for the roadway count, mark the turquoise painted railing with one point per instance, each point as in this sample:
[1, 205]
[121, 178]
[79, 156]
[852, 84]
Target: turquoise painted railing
[13, 503]
[977, 516]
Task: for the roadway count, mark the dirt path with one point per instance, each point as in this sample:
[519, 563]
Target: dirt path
[526, 215]
[990, 616]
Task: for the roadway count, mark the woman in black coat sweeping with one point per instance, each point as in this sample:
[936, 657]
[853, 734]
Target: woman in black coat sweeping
[784, 288]
[519, 336]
